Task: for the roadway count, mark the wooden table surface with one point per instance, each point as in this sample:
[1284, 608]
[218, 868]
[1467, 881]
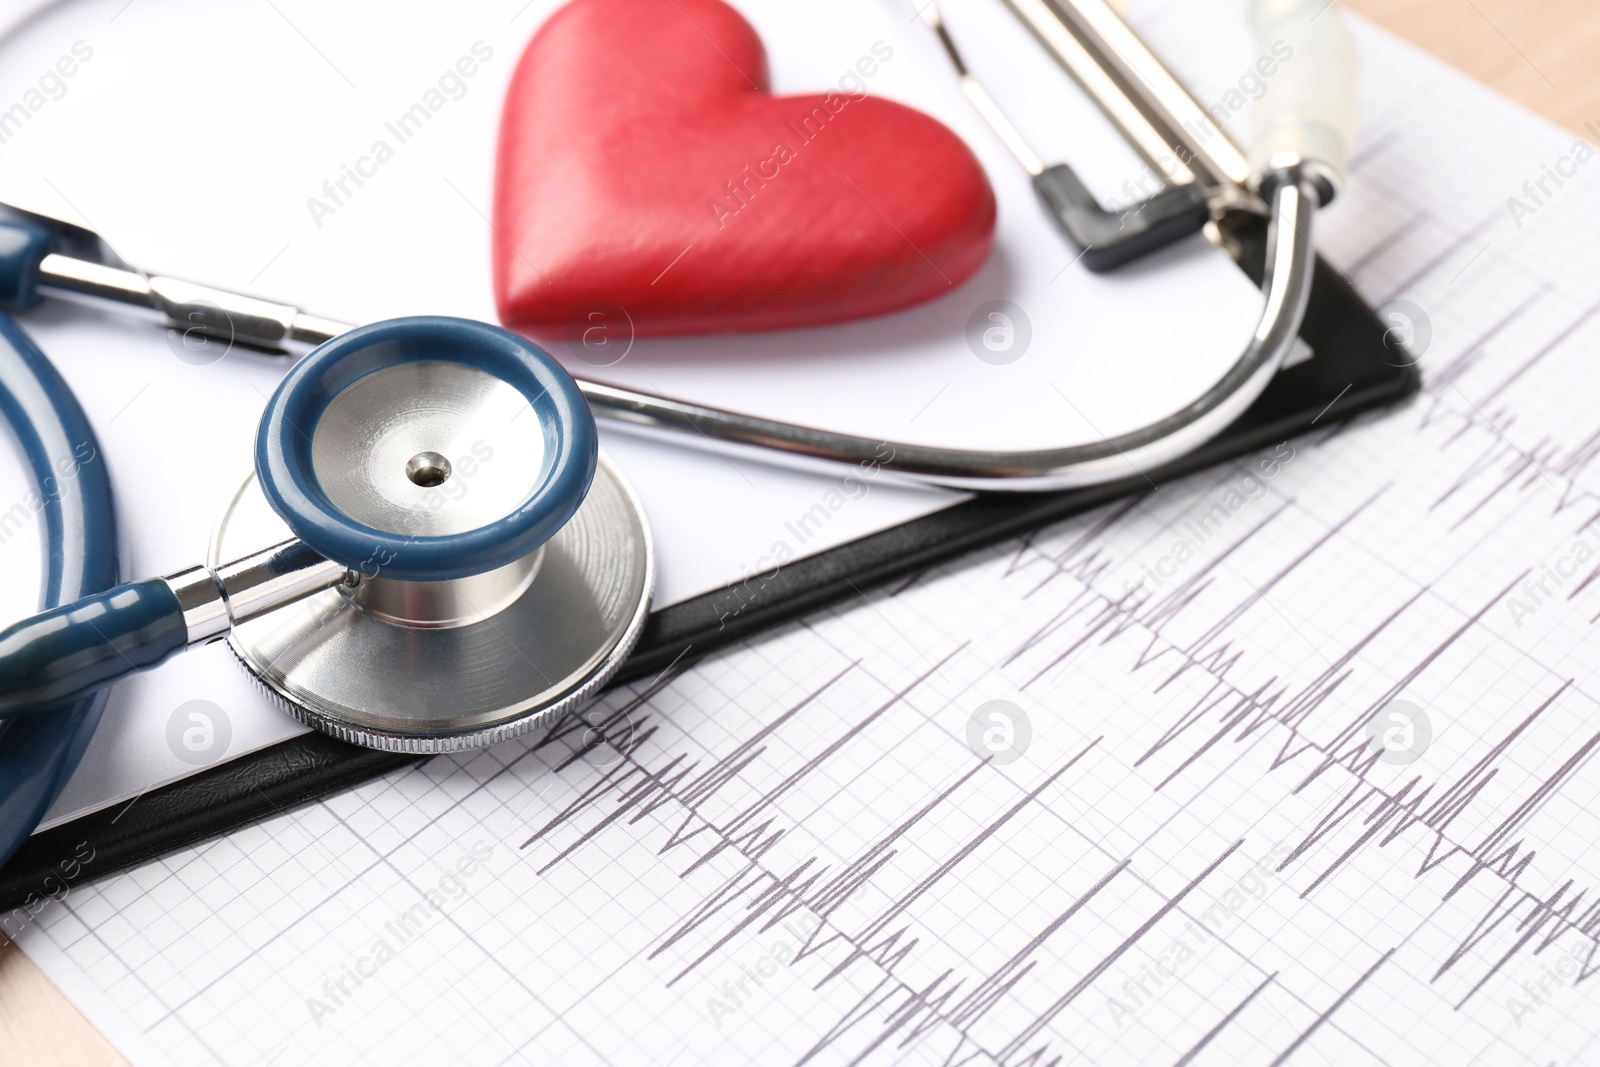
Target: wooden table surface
[1538, 52]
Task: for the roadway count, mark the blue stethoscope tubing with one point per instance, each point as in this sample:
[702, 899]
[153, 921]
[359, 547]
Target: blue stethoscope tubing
[38, 753]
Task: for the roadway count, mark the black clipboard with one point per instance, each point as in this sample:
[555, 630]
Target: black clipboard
[1356, 367]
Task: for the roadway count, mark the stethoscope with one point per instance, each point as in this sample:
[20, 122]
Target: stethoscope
[432, 553]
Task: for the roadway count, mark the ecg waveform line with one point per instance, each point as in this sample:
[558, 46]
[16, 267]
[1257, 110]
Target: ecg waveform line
[1388, 816]
[1434, 265]
[1398, 812]
[1223, 1023]
[1350, 750]
[767, 898]
[1444, 377]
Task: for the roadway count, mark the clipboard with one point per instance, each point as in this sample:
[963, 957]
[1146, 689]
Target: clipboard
[1356, 367]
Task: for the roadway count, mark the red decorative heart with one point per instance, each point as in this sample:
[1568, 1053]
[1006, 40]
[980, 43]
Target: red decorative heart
[645, 165]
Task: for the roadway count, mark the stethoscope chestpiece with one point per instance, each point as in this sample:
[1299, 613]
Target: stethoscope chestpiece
[360, 449]
[503, 567]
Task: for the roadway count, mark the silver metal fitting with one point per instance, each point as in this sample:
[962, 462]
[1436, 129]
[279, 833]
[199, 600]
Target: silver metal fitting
[1294, 169]
[215, 601]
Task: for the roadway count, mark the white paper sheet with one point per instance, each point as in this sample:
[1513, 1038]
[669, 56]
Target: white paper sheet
[193, 135]
[794, 853]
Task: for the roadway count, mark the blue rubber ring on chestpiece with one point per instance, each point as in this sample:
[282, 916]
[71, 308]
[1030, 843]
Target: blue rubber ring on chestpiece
[283, 448]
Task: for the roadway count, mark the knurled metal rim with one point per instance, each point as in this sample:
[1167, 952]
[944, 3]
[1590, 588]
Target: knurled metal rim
[582, 694]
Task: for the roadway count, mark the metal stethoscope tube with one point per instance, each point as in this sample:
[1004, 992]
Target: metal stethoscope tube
[1294, 196]
[1287, 289]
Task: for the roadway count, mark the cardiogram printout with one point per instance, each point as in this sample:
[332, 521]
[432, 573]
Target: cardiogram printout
[1291, 762]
